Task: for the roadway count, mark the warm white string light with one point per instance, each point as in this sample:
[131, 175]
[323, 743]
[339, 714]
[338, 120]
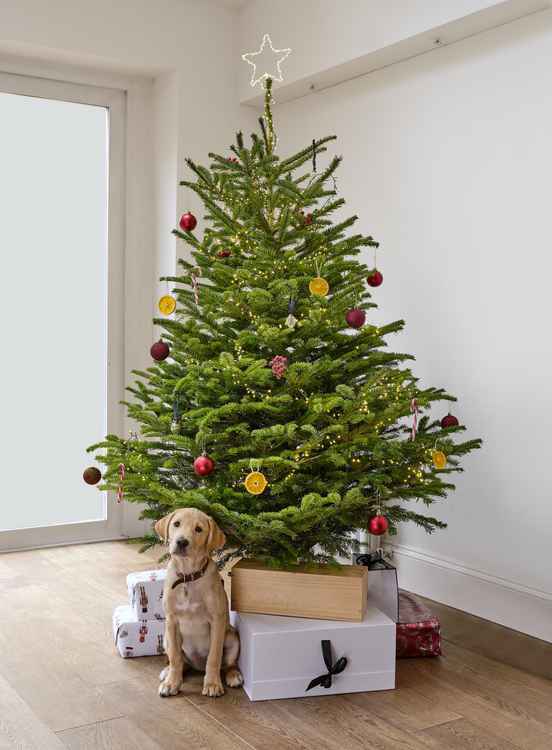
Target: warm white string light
[268, 60]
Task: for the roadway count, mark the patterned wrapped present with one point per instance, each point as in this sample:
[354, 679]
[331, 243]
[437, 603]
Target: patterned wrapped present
[135, 637]
[418, 630]
[145, 594]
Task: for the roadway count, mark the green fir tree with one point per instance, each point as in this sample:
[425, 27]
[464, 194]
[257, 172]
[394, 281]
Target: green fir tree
[331, 432]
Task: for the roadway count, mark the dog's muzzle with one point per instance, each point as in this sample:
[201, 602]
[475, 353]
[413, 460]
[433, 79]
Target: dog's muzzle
[181, 545]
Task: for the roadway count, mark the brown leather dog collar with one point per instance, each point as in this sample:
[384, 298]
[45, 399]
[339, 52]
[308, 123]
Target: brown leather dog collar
[189, 577]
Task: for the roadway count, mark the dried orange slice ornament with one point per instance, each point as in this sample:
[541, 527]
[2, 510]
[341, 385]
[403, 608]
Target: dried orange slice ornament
[255, 482]
[167, 304]
[319, 286]
[439, 459]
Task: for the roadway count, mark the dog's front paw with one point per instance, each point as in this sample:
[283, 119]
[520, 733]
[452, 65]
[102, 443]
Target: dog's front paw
[212, 686]
[170, 686]
[234, 677]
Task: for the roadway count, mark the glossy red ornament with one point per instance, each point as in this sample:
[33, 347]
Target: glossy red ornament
[224, 254]
[160, 351]
[449, 421]
[375, 278]
[308, 219]
[188, 222]
[91, 475]
[378, 525]
[355, 317]
[203, 466]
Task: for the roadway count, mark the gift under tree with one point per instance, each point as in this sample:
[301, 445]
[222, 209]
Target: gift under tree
[272, 402]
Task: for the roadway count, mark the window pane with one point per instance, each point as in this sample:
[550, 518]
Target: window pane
[53, 307]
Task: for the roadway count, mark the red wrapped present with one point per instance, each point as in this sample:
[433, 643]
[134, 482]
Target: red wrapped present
[418, 630]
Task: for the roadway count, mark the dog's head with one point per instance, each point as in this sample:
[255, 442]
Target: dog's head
[190, 533]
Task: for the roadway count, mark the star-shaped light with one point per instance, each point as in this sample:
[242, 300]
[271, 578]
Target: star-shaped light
[265, 60]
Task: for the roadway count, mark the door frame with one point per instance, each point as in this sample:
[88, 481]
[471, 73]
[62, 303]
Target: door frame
[114, 101]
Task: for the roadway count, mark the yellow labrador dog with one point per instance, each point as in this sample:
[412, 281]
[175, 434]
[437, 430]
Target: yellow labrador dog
[198, 633]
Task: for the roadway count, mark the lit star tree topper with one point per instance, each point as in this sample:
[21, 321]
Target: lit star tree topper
[266, 62]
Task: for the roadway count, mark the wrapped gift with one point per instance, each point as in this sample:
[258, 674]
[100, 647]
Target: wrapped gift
[292, 657]
[145, 594]
[418, 630]
[134, 637]
[383, 589]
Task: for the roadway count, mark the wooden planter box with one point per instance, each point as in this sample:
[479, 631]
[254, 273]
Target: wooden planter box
[320, 592]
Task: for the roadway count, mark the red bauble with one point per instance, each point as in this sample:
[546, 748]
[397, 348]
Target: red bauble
[188, 222]
[203, 466]
[355, 317]
[160, 351]
[449, 421]
[378, 525]
[224, 254]
[91, 475]
[375, 278]
[308, 219]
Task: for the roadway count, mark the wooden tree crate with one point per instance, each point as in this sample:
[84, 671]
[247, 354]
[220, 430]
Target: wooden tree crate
[319, 592]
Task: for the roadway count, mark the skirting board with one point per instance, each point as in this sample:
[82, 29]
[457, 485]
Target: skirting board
[504, 602]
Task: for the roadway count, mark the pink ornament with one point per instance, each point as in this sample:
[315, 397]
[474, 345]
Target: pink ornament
[355, 317]
[279, 365]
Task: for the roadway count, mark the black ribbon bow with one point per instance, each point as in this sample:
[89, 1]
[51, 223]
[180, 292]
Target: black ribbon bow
[325, 680]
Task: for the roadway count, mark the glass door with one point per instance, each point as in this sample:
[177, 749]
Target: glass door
[61, 285]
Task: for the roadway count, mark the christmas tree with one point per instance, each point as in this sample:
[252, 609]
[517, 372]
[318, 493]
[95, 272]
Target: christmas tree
[273, 404]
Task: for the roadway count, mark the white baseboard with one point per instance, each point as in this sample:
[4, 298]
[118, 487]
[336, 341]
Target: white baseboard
[499, 600]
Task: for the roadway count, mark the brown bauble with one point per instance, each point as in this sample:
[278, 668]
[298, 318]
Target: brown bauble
[91, 475]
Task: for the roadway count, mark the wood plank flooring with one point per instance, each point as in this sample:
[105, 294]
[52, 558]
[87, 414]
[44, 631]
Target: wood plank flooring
[62, 684]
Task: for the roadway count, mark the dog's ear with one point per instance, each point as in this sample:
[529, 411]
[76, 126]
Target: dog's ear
[162, 527]
[216, 538]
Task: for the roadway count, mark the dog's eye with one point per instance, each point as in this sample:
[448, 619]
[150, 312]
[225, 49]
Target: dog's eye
[198, 529]
[176, 523]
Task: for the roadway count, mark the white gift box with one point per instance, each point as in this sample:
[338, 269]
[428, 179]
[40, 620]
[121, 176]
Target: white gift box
[280, 656]
[134, 637]
[145, 594]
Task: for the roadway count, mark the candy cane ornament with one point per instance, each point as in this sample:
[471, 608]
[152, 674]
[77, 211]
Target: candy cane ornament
[414, 412]
[120, 492]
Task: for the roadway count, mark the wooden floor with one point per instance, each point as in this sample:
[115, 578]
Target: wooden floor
[62, 685]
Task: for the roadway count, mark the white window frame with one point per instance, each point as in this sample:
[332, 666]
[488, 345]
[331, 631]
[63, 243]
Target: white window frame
[114, 100]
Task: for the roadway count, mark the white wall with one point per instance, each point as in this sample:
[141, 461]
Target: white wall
[325, 33]
[333, 41]
[447, 161]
